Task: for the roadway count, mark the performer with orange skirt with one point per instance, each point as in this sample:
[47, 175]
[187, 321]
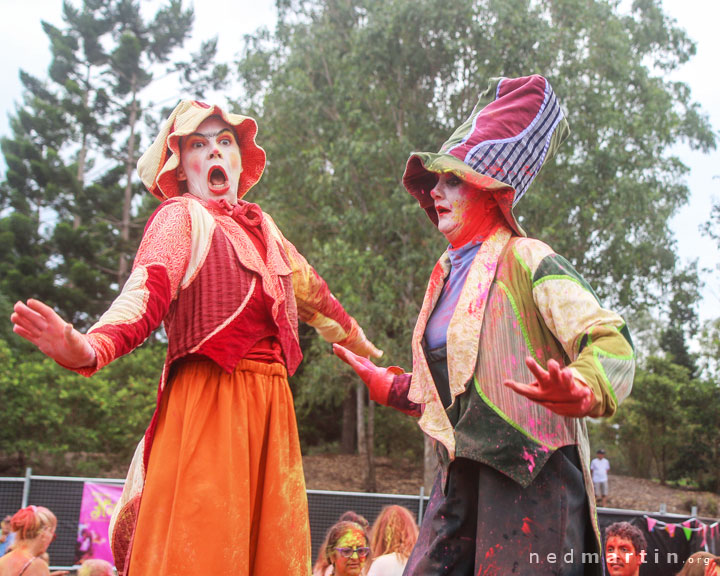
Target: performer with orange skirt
[216, 485]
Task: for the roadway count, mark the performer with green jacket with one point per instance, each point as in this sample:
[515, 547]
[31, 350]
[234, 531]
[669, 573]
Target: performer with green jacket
[511, 351]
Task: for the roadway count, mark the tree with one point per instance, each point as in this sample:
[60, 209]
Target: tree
[344, 91]
[683, 320]
[60, 133]
[651, 419]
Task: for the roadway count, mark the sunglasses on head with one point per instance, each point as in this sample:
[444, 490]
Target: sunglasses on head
[362, 552]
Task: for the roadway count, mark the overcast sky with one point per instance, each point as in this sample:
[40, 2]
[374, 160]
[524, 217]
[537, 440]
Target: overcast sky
[24, 45]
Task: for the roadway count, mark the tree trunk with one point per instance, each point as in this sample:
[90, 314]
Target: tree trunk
[82, 154]
[431, 465]
[360, 415]
[347, 437]
[371, 480]
[127, 200]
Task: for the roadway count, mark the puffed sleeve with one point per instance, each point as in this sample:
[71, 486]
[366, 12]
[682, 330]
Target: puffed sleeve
[154, 282]
[595, 339]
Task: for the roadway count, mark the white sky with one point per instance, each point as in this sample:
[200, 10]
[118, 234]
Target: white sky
[24, 45]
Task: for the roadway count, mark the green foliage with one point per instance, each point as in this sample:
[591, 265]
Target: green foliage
[667, 428]
[345, 91]
[50, 412]
[652, 418]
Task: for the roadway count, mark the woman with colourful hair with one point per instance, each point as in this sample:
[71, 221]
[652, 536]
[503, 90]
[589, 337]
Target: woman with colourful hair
[34, 528]
[511, 351]
[216, 485]
[344, 551]
[392, 538]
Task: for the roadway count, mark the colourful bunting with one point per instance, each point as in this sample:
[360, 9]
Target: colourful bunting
[687, 528]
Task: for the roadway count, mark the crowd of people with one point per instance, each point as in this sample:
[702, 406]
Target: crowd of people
[352, 547]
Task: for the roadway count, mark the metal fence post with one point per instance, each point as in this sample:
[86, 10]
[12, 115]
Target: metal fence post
[422, 504]
[26, 487]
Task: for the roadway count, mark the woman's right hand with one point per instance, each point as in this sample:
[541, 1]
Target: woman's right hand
[378, 379]
[41, 325]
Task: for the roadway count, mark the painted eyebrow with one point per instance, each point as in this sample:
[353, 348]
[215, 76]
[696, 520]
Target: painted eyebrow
[211, 135]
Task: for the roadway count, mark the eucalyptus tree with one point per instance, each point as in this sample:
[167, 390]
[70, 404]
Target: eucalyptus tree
[346, 90]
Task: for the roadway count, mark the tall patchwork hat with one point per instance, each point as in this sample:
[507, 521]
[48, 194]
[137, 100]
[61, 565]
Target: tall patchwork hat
[157, 167]
[514, 129]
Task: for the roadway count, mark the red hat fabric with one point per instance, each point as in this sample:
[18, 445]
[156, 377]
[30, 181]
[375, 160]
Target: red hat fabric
[514, 129]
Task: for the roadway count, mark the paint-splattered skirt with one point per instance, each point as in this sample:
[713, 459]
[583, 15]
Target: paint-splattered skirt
[485, 524]
[224, 491]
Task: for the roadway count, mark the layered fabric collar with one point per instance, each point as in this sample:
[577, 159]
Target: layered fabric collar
[513, 131]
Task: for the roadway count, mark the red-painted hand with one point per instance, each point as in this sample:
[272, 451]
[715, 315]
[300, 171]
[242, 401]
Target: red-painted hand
[41, 325]
[556, 389]
[378, 380]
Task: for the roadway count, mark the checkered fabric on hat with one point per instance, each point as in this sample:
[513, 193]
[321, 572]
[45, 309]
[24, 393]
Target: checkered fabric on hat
[515, 128]
[157, 167]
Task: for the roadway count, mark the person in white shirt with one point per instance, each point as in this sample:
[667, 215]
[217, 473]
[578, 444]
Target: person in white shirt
[599, 468]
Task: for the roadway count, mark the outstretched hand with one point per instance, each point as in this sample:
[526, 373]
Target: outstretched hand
[556, 389]
[361, 346]
[41, 325]
[378, 379]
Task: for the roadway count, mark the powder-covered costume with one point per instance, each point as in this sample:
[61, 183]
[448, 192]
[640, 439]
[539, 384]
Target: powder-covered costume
[514, 483]
[216, 485]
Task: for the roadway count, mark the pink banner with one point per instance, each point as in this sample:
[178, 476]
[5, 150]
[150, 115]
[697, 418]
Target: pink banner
[98, 502]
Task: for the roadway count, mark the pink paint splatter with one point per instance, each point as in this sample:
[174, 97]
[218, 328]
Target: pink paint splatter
[530, 459]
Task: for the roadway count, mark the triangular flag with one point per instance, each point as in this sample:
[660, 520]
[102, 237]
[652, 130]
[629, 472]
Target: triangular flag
[671, 530]
[688, 532]
[704, 533]
[687, 523]
[651, 524]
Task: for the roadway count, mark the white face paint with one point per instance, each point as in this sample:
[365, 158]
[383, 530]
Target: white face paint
[210, 161]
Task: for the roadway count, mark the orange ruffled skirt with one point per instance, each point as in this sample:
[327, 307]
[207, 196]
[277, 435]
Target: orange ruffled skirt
[224, 492]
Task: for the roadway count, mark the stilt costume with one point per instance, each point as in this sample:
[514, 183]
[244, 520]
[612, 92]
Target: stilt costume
[514, 482]
[216, 485]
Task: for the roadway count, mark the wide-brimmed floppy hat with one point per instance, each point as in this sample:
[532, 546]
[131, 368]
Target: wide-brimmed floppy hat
[157, 167]
[514, 129]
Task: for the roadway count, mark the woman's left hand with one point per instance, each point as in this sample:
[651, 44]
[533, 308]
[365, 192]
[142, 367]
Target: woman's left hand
[556, 389]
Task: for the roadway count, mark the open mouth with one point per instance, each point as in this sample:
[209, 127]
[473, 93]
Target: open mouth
[218, 182]
[442, 210]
